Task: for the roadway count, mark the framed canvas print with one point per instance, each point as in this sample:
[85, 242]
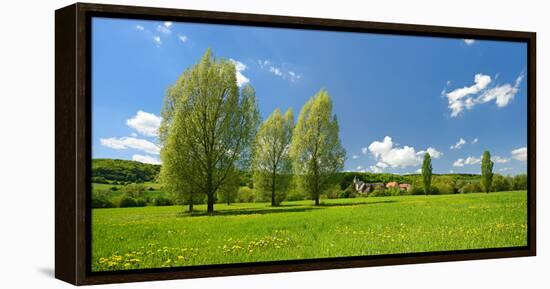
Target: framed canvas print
[197, 143]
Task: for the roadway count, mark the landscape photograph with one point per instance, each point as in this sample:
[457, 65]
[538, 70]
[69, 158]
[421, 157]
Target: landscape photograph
[224, 144]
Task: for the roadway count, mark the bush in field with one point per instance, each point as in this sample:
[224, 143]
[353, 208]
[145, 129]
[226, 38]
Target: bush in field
[101, 199]
[470, 188]
[349, 192]
[378, 192]
[416, 190]
[500, 183]
[162, 201]
[246, 195]
[134, 190]
[295, 195]
[519, 182]
[127, 202]
[444, 188]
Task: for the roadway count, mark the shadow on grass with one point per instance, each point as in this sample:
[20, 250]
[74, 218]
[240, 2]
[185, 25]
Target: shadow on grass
[248, 211]
[285, 208]
[355, 204]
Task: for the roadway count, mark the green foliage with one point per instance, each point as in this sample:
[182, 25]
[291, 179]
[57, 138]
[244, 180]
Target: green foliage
[271, 160]
[162, 201]
[100, 199]
[207, 128]
[115, 171]
[518, 182]
[470, 188]
[486, 171]
[501, 183]
[315, 149]
[126, 202]
[134, 190]
[427, 173]
[246, 195]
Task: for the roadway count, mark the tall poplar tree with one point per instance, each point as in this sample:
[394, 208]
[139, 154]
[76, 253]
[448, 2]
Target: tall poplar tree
[487, 171]
[427, 173]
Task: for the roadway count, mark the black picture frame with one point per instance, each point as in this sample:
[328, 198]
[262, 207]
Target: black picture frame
[73, 142]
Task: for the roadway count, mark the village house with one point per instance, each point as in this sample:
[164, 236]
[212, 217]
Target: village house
[363, 187]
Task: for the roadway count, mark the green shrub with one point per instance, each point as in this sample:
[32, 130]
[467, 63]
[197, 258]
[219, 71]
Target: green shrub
[470, 188]
[134, 190]
[246, 195]
[416, 190]
[127, 202]
[114, 189]
[443, 188]
[102, 202]
[162, 201]
[378, 192]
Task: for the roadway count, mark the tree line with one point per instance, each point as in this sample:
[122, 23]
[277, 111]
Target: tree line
[211, 131]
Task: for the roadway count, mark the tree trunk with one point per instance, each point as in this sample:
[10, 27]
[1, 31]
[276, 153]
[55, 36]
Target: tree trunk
[191, 204]
[317, 200]
[273, 191]
[210, 207]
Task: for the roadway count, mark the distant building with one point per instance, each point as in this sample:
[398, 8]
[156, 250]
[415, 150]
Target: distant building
[363, 187]
[405, 187]
[392, 185]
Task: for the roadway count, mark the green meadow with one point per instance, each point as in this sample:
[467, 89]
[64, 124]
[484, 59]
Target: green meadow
[167, 236]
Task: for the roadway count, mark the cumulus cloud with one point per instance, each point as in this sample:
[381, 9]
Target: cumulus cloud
[479, 93]
[365, 150]
[182, 38]
[140, 27]
[157, 40]
[290, 75]
[469, 41]
[500, 160]
[520, 154]
[355, 157]
[468, 161]
[145, 123]
[164, 29]
[124, 143]
[376, 169]
[389, 155]
[502, 94]
[475, 140]
[146, 159]
[239, 68]
[458, 144]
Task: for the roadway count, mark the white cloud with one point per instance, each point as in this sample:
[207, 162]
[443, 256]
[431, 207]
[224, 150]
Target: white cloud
[145, 123]
[182, 38]
[456, 97]
[388, 155]
[124, 143]
[239, 68]
[168, 24]
[139, 27]
[469, 41]
[359, 168]
[278, 71]
[355, 157]
[375, 169]
[275, 71]
[504, 169]
[418, 171]
[468, 161]
[458, 144]
[365, 150]
[465, 98]
[146, 159]
[502, 94]
[500, 160]
[164, 29]
[475, 140]
[157, 40]
[520, 154]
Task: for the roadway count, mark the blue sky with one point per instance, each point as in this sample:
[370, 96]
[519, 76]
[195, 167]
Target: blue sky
[396, 97]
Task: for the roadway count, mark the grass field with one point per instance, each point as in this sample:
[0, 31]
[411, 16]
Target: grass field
[153, 237]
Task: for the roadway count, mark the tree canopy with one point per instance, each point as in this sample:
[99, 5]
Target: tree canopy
[427, 173]
[271, 161]
[316, 150]
[487, 171]
[207, 128]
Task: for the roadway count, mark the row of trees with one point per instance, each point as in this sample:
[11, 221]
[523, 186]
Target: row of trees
[486, 173]
[211, 132]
